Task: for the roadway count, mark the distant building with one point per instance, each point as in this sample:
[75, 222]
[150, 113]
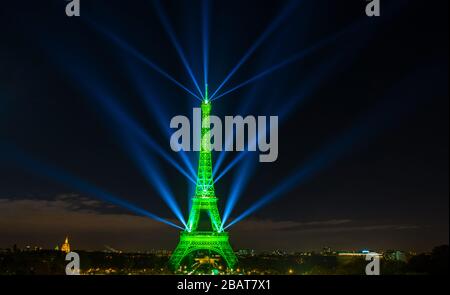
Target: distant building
[66, 246]
[245, 252]
[207, 260]
[163, 252]
[359, 253]
[160, 252]
[326, 251]
[279, 252]
[395, 255]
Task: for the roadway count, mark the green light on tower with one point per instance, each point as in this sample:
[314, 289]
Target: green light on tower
[206, 94]
[204, 200]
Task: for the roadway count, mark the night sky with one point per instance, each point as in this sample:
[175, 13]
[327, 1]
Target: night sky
[377, 85]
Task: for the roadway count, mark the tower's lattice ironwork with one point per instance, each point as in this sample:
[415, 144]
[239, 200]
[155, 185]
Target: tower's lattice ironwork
[204, 200]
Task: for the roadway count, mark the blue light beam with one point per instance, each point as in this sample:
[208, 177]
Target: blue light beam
[230, 165]
[289, 8]
[294, 58]
[141, 159]
[154, 146]
[123, 120]
[153, 177]
[401, 101]
[96, 89]
[67, 179]
[239, 182]
[169, 30]
[128, 48]
[307, 87]
[357, 26]
[205, 40]
[137, 78]
[283, 113]
[252, 142]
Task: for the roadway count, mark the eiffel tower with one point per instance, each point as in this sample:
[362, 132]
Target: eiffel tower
[204, 200]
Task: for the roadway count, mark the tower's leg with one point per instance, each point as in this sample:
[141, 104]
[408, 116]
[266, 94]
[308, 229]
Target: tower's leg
[180, 252]
[215, 218]
[194, 217]
[228, 254]
[212, 241]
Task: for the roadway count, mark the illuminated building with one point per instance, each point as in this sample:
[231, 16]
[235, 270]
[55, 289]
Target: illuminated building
[66, 246]
[395, 255]
[206, 260]
[363, 253]
[245, 252]
[204, 201]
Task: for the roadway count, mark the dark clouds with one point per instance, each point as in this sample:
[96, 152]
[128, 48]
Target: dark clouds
[91, 224]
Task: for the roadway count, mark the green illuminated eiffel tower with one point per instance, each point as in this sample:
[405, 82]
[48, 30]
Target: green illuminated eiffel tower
[205, 200]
